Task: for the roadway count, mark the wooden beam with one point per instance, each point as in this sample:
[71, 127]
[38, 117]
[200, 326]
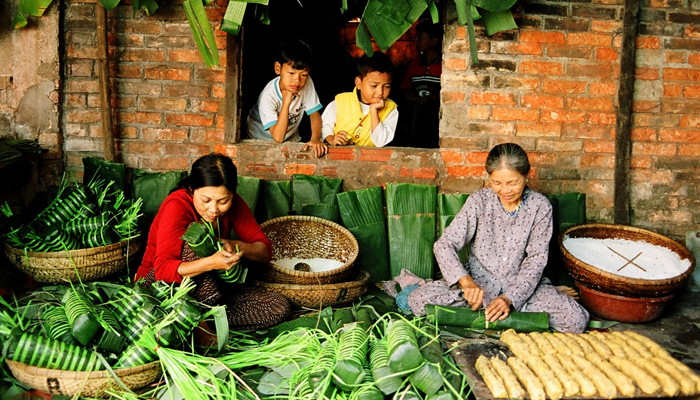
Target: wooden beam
[232, 99]
[105, 92]
[625, 92]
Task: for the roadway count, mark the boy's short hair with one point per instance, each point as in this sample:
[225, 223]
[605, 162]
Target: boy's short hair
[297, 52]
[379, 62]
[434, 31]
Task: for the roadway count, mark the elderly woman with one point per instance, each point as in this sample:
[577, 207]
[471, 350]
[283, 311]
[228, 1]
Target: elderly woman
[509, 228]
[209, 194]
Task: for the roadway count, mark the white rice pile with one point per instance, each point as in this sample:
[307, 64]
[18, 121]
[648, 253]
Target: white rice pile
[648, 261]
[316, 264]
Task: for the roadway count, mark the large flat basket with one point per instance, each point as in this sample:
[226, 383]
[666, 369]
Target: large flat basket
[307, 237]
[323, 295]
[86, 384]
[66, 266]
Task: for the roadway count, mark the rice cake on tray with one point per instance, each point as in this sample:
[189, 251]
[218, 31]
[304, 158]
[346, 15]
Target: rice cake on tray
[620, 365]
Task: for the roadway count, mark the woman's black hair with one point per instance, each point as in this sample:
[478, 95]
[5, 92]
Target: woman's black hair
[212, 170]
[510, 156]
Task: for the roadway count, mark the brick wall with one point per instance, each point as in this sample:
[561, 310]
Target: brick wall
[550, 86]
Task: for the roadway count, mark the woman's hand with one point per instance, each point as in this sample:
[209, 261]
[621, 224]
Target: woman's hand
[498, 308]
[472, 293]
[225, 260]
[256, 252]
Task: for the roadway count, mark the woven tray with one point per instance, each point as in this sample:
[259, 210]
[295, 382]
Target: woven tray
[608, 282]
[307, 237]
[87, 384]
[319, 296]
[62, 266]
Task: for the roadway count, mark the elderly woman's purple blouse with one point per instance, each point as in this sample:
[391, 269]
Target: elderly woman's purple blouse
[508, 255]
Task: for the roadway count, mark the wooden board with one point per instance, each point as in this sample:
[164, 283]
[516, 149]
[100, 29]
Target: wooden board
[466, 351]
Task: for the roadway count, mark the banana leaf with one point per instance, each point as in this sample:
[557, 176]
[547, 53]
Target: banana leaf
[233, 19]
[362, 213]
[201, 32]
[497, 21]
[148, 6]
[448, 206]
[465, 317]
[315, 191]
[8, 154]
[249, 188]
[45, 352]
[109, 4]
[363, 38]
[200, 239]
[153, 188]
[276, 202]
[35, 8]
[411, 227]
[106, 170]
[388, 20]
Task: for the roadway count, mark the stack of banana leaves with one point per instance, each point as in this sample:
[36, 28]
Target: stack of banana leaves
[13, 149]
[96, 326]
[79, 217]
[203, 242]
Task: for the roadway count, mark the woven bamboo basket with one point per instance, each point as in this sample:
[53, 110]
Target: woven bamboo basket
[607, 282]
[62, 266]
[325, 294]
[87, 384]
[306, 237]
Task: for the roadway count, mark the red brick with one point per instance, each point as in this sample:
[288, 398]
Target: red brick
[538, 158]
[679, 135]
[202, 135]
[692, 32]
[587, 103]
[542, 37]
[164, 163]
[588, 39]
[569, 51]
[81, 52]
[515, 114]
[654, 149]
[492, 98]
[533, 49]
[141, 55]
[128, 71]
[570, 117]
[180, 90]
[208, 106]
[541, 67]
[475, 113]
[645, 106]
[379, 155]
[162, 104]
[126, 132]
[167, 73]
[304, 169]
[341, 153]
[681, 74]
[598, 160]
[460, 33]
[462, 171]
[164, 134]
[559, 145]
[606, 53]
[188, 120]
[693, 59]
[76, 100]
[227, 149]
[666, 121]
[187, 56]
[218, 91]
[690, 121]
[186, 149]
[689, 150]
[139, 26]
[640, 162]
[679, 56]
[605, 26]
[691, 91]
[452, 157]
[420, 173]
[646, 134]
[330, 171]
[563, 86]
[141, 147]
[212, 75]
[600, 146]
[83, 116]
[220, 121]
[538, 130]
[455, 64]
[476, 157]
[646, 73]
[602, 70]
[648, 42]
[540, 101]
[602, 118]
[600, 88]
[586, 131]
[89, 86]
[452, 97]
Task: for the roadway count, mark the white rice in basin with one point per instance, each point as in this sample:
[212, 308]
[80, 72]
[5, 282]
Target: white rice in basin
[316, 264]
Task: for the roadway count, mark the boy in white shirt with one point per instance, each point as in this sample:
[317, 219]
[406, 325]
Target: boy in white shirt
[283, 101]
[365, 116]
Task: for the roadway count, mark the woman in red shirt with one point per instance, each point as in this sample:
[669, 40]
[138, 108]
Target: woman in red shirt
[209, 194]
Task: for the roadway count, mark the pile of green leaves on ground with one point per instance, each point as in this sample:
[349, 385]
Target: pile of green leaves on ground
[13, 149]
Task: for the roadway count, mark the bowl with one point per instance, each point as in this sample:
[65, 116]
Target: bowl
[622, 308]
[306, 237]
[607, 282]
[323, 295]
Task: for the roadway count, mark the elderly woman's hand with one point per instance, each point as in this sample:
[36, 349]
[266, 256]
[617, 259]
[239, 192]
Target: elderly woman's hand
[498, 308]
[472, 293]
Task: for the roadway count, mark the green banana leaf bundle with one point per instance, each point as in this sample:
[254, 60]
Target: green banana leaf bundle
[201, 240]
[411, 227]
[276, 200]
[49, 353]
[448, 206]
[466, 318]
[248, 187]
[362, 213]
[316, 196]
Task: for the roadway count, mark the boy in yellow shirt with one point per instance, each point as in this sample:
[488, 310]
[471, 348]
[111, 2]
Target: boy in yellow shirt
[365, 116]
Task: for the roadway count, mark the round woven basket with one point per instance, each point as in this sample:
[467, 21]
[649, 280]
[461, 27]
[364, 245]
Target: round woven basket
[319, 296]
[87, 384]
[608, 282]
[306, 237]
[62, 266]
